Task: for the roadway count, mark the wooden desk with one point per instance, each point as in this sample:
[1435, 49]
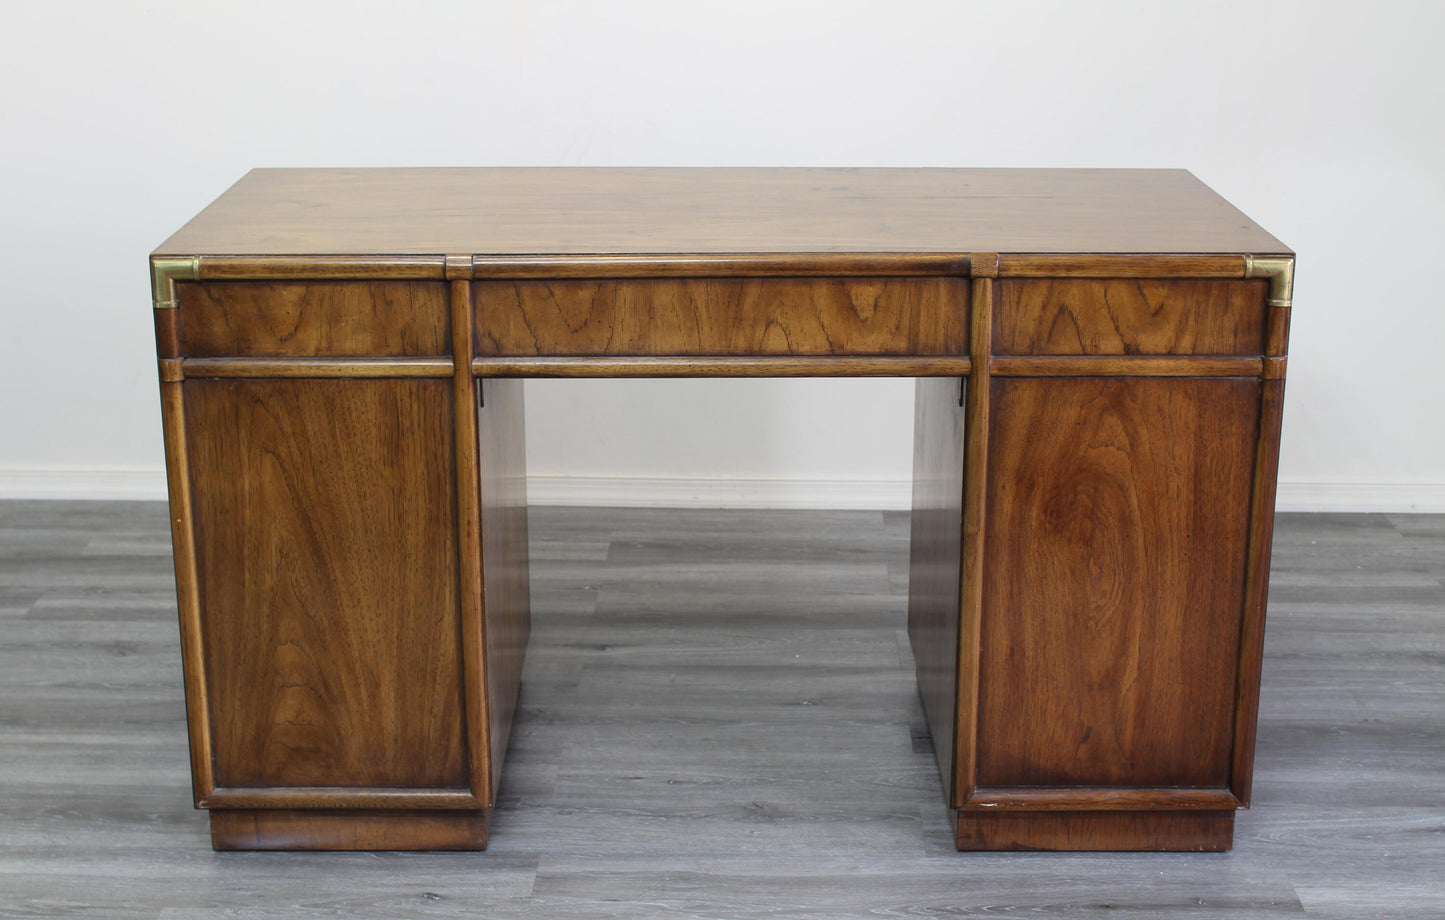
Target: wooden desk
[1101, 361]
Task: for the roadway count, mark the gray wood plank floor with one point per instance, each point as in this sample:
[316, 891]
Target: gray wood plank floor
[718, 720]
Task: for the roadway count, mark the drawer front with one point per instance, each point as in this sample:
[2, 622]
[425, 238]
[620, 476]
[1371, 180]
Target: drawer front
[1126, 316]
[723, 316]
[275, 319]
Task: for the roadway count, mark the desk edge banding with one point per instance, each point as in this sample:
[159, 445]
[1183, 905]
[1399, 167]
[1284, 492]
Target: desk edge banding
[1278, 269]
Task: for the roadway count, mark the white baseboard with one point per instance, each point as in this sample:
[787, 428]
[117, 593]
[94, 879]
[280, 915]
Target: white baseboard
[723, 492]
[1387, 497]
[82, 484]
[897, 494]
[720, 492]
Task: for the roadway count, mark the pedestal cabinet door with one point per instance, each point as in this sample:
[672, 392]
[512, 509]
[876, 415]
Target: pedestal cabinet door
[1114, 588]
[325, 519]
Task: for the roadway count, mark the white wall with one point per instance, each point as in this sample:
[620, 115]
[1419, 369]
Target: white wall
[1322, 120]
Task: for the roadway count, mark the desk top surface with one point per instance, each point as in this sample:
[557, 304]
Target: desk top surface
[684, 210]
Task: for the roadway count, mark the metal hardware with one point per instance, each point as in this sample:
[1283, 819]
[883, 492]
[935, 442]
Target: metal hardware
[165, 272]
[1280, 274]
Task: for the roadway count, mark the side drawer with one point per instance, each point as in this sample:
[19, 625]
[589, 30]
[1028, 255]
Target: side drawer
[1129, 316]
[723, 316]
[286, 319]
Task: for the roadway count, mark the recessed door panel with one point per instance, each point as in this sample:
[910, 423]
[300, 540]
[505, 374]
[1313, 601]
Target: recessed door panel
[1114, 584]
[326, 541]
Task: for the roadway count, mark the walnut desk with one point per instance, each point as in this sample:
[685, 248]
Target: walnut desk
[1100, 358]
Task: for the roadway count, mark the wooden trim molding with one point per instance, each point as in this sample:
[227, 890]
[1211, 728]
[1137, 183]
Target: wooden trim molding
[1256, 587]
[347, 829]
[1100, 799]
[316, 367]
[1276, 336]
[308, 797]
[983, 264]
[1196, 830]
[316, 268]
[720, 265]
[188, 592]
[166, 270]
[469, 544]
[1141, 265]
[711, 366]
[960, 785]
[1126, 366]
[457, 267]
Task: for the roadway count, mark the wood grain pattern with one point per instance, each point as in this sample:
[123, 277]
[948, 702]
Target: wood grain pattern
[296, 368]
[279, 829]
[505, 568]
[325, 516]
[685, 316]
[1256, 587]
[1205, 831]
[457, 267]
[1114, 586]
[1126, 366]
[321, 267]
[724, 366]
[718, 265]
[1093, 798]
[349, 798]
[1112, 316]
[168, 334]
[1087, 584]
[1101, 265]
[594, 211]
[188, 596]
[960, 783]
[476, 704]
[935, 553]
[983, 264]
[313, 319]
[1277, 337]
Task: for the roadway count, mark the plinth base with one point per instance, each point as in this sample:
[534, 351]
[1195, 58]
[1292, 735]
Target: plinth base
[275, 829]
[1190, 831]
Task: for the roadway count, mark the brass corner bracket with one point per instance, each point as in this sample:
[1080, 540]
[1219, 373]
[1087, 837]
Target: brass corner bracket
[166, 271]
[1280, 274]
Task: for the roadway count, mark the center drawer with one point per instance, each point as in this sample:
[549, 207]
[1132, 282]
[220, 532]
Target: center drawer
[723, 316]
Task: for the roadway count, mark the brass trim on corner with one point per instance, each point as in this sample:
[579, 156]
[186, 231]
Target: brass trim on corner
[165, 272]
[1280, 274]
